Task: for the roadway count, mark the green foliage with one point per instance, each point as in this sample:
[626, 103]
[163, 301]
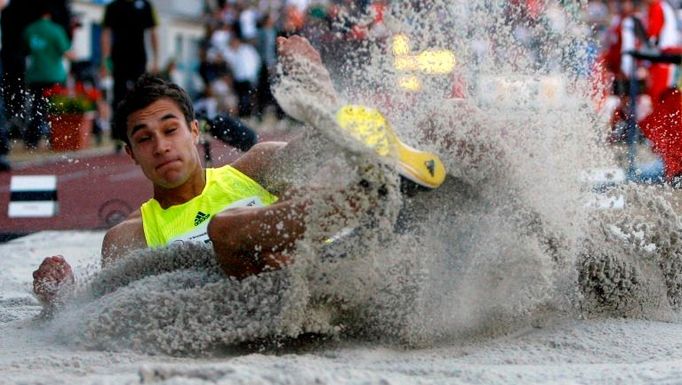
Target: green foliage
[65, 104]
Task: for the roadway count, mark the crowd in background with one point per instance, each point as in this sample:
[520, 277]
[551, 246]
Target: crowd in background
[640, 39]
[26, 25]
[238, 52]
[639, 66]
[237, 57]
[637, 43]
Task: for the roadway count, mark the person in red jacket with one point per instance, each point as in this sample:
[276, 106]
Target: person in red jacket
[663, 34]
[626, 36]
[664, 129]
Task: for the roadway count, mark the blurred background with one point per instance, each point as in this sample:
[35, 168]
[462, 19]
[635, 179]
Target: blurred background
[223, 53]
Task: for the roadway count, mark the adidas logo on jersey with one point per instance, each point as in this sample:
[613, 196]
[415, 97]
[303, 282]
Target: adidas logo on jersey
[200, 218]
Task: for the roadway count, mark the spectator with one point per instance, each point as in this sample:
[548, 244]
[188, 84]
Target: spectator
[663, 128]
[301, 5]
[211, 65]
[226, 13]
[293, 20]
[245, 65]
[663, 34]
[14, 18]
[377, 28]
[248, 20]
[86, 82]
[220, 37]
[61, 14]
[170, 72]
[626, 36]
[213, 69]
[222, 89]
[47, 44]
[123, 40]
[267, 49]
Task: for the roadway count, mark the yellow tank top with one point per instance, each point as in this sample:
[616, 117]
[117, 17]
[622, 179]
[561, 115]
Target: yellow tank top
[225, 188]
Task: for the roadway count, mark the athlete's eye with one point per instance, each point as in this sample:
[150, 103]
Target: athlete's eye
[142, 139]
[171, 130]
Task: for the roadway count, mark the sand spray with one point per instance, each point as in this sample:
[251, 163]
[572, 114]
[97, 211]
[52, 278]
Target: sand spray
[507, 242]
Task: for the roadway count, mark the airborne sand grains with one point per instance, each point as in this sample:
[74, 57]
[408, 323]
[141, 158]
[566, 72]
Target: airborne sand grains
[487, 274]
[505, 243]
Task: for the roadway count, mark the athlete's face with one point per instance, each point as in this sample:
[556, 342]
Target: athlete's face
[163, 144]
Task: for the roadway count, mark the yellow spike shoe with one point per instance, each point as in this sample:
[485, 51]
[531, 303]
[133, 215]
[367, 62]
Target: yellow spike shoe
[371, 128]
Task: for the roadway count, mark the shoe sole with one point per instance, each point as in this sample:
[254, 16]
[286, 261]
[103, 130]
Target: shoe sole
[370, 127]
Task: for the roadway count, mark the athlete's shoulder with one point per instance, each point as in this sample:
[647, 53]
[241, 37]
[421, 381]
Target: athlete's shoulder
[266, 148]
[123, 238]
[254, 161]
[137, 214]
[264, 151]
[131, 224]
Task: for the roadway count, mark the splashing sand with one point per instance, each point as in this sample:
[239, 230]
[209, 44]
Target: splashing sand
[505, 243]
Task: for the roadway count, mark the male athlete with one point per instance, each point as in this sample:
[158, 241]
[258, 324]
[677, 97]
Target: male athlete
[251, 229]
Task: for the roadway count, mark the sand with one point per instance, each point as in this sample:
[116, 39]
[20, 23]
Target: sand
[502, 275]
[559, 352]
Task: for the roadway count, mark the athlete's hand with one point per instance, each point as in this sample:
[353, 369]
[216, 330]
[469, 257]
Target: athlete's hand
[52, 275]
[302, 63]
[297, 46]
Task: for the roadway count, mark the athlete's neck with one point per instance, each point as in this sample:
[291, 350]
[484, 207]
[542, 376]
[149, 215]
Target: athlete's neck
[183, 193]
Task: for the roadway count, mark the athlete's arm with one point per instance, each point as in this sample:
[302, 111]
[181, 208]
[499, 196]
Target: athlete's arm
[123, 238]
[261, 162]
[256, 162]
[54, 275]
[248, 241]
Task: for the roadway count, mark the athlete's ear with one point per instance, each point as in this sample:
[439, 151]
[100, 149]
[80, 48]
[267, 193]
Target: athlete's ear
[194, 129]
[129, 151]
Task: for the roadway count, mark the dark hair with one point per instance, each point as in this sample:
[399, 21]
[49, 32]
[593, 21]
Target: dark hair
[43, 7]
[237, 30]
[147, 90]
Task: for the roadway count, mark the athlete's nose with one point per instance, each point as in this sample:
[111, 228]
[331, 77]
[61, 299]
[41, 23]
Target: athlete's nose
[162, 145]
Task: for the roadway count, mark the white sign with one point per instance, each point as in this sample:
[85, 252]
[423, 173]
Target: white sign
[33, 196]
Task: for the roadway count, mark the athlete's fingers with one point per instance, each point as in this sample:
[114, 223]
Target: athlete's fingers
[48, 265]
[281, 40]
[43, 269]
[55, 259]
[48, 287]
[53, 268]
[58, 260]
[297, 46]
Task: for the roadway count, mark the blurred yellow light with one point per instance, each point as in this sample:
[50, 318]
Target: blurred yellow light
[401, 45]
[436, 62]
[406, 63]
[410, 83]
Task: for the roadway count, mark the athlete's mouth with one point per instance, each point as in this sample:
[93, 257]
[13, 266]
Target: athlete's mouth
[166, 163]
